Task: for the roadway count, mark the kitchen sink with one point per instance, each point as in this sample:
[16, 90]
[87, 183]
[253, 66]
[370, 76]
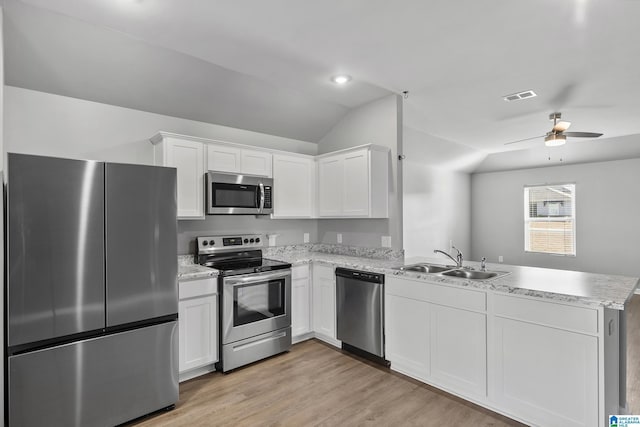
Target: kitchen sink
[426, 268]
[452, 271]
[473, 274]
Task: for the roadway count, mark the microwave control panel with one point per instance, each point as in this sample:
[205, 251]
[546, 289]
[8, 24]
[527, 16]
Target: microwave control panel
[267, 197]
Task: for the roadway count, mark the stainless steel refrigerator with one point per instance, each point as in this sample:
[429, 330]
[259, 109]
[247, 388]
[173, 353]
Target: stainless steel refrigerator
[91, 291]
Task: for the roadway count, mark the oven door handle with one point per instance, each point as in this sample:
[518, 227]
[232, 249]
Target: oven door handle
[255, 278]
[261, 207]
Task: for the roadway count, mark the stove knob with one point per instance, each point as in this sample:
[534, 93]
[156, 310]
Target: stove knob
[257, 240]
[204, 243]
[251, 240]
[246, 241]
[212, 242]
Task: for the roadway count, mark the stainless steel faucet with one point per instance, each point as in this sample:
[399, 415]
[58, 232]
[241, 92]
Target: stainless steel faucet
[483, 264]
[458, 259]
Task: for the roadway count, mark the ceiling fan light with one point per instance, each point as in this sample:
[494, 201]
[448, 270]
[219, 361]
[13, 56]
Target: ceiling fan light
[555, 140]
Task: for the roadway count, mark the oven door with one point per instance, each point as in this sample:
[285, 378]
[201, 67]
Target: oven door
[254, 304]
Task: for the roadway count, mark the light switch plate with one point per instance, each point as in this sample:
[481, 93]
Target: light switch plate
[500, 258]
[339, 237]
[386, 241]
[305, 237]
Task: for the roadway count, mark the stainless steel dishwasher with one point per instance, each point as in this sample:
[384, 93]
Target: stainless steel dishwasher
[360, 312]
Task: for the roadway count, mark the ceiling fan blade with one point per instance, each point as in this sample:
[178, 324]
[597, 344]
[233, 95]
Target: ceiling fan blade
[526, 139]
[561, 126]
[582, 134]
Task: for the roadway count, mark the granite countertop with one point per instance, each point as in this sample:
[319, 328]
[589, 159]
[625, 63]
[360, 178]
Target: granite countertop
[187, 270]
[596, 290]
[609, 291]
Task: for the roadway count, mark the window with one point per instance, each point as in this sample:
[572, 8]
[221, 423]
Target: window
[550, 219]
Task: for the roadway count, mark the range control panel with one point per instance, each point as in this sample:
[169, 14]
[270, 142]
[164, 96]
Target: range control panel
[240, 241]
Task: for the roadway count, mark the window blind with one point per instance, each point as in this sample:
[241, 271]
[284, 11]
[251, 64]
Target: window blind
[549, 219]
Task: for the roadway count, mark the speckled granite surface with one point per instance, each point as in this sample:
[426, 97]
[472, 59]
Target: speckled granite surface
[588, 289]
[187, 270]
[376, 253]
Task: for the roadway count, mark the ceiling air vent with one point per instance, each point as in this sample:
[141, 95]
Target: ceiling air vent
[520, 95]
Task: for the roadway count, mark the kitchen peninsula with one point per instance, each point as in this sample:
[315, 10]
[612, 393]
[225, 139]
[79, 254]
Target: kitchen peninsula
[545, 347]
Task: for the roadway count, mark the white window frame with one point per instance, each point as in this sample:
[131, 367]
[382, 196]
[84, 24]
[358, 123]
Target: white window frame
[528, 219]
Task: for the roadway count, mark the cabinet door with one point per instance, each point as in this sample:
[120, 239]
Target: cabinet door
[546, 375]
[330, 182]
[324, 301]
[256, 163]
[355, 186]
[293, 186]
[407, 335]
[459, 349]
[188, 158]
[300, 301]
[198, 319]
[223, 158]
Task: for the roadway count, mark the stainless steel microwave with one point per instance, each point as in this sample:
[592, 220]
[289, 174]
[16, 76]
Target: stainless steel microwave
[233, 194]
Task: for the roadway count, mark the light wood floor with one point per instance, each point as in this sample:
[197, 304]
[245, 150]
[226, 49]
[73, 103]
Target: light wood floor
[317, 385]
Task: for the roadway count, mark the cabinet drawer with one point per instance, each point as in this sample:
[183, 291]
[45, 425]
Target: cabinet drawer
[437, 294]
[196, 288]
[300, 272]
[561, 316]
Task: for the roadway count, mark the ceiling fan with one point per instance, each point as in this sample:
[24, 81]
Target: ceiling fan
[557, 135]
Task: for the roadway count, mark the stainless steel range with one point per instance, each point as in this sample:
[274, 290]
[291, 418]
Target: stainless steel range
[255, 298]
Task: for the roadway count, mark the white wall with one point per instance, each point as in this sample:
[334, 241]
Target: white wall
[53, 125]
[436, 194]
[373, 123]
[607, 215]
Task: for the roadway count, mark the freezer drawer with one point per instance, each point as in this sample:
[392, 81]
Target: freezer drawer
[97, 382]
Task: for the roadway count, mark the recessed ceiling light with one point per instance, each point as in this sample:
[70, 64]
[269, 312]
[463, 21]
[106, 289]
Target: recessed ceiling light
[341, 79]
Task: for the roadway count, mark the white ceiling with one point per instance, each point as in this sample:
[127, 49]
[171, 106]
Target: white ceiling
[457, 58]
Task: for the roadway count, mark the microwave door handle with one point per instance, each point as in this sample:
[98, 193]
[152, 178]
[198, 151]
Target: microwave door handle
[261, 207]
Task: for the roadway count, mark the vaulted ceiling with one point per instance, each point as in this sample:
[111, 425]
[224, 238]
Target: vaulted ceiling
[265, 65]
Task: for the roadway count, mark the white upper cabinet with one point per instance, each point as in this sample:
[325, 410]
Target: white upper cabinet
[254, 162]
[354, 183]
[234, 159]
[293, 186]
[223, 158]
[188, 158]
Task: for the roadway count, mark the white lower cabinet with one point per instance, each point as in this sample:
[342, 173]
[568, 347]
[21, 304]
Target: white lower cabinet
[198, 327]
[324, 303]
[436, 343]
[407, 335]
[300, 302]
[544, 374]
[459, 349]
[542, 362]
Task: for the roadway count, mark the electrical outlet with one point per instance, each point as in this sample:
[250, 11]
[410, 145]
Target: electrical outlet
[339, 237]
[500, 258]
[386, 241]
[305, 237]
